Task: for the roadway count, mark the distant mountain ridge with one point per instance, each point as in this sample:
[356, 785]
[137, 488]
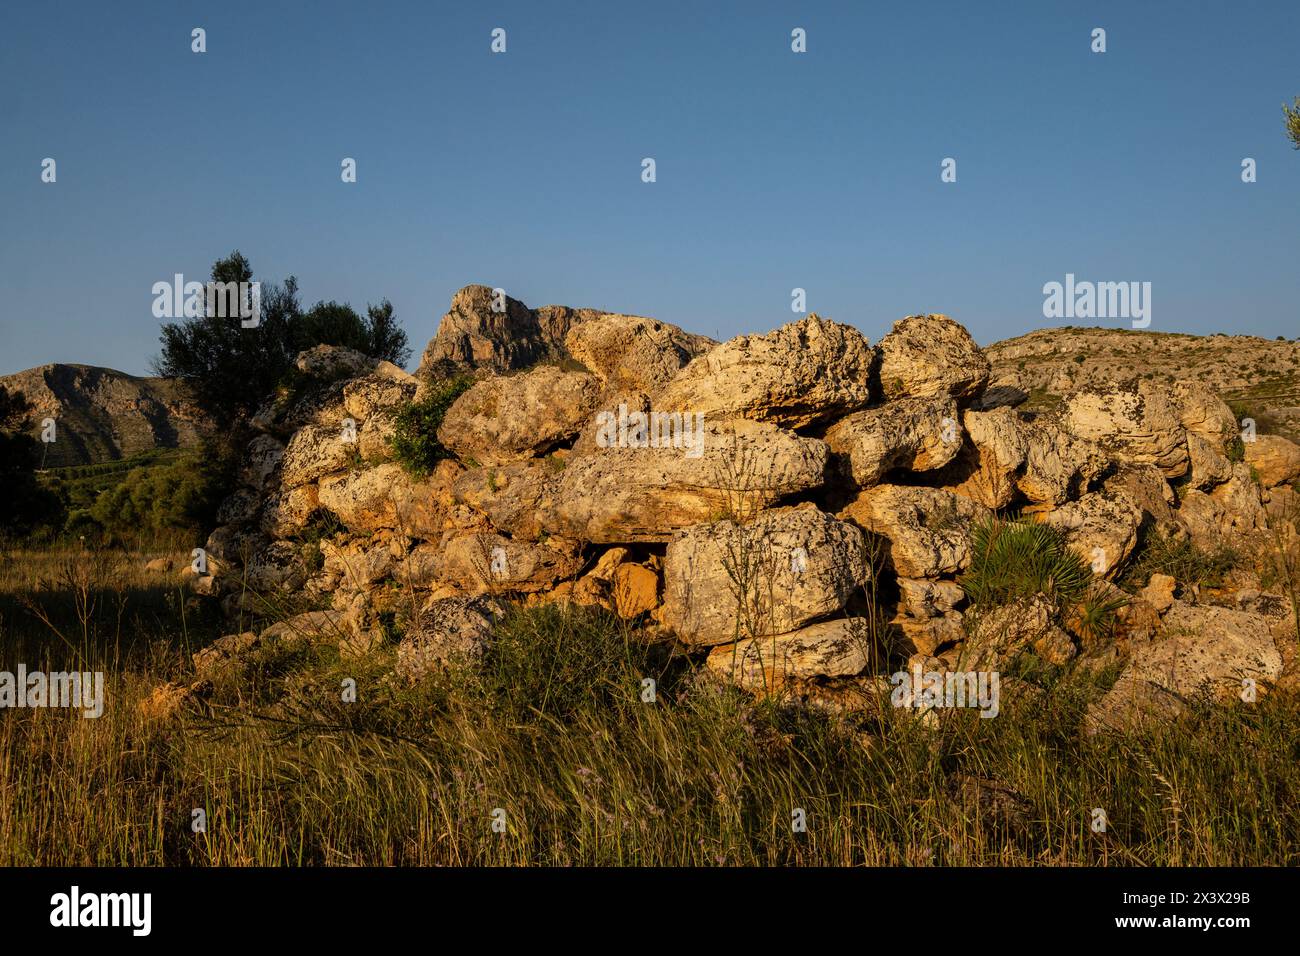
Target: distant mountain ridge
[103, 415]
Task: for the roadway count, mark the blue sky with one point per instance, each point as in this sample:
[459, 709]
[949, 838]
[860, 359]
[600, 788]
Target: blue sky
[522, 170]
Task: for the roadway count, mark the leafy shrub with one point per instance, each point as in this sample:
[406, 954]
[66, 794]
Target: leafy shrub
[415, 431]
[179, 496]
[1093, 617]
[1015, 559]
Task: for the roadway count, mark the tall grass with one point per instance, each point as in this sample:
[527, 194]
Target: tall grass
[552, 729]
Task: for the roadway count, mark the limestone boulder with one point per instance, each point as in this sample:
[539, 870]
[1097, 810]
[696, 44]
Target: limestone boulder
[987, 466]
[828, 649]
[484, 562]
[927, 636]
[786, 568]
[447, 631]
[805, 372]
[1159, 592]
[260, 461]
[309, 402]
[646, 494]
[1203, 413]
[927, 529]
[997, 635]
[927, 355]
[385, 389]
[913, 434]
[1209, 467]
[232, 546]
[277, 567]
[310, 627]
[516, 497]
[620, 584]
[361, 564]
[1202, 650]
[1276, 460]
[1101, 527]
[924, 599]
[288, 511]
[483, 330]
[241, 507]
[225, 653]
[630, 353]
[333, 362]
[1058, 465]
[1232, 507]
[1135, 422]
[387, 497]
[373, 402]
[506, 418]
[315, 451]
[1146, 487]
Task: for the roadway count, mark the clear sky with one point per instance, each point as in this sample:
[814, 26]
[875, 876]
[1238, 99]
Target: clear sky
[522, 170]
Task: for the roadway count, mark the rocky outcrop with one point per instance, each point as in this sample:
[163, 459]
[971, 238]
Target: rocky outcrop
[829, 649]
[486, 329]
[485, 562]
[794, 510]
[637, 494]
[1231, 507]
[448, 631]
[1100, 527]
[633, 354]
[387, 497]
[987, 466]
[1275, 459]
[1058, 465]
[1214, 651]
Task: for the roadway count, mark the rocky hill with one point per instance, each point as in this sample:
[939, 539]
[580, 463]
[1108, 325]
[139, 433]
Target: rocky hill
[104, 415]
[800, 509]
[1258, 377]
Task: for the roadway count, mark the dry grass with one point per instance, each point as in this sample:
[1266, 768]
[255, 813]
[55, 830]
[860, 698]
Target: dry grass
[552, 730]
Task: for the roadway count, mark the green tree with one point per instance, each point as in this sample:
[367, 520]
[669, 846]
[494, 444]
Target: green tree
[228, 368]
[377, 334]
[387, 338]
[1292, 114]
[180, 496]
[231, 369]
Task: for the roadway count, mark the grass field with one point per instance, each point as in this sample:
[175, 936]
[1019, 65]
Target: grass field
[550, 740]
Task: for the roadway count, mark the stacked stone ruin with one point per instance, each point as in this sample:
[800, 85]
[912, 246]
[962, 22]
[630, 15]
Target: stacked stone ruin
[835, 478]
